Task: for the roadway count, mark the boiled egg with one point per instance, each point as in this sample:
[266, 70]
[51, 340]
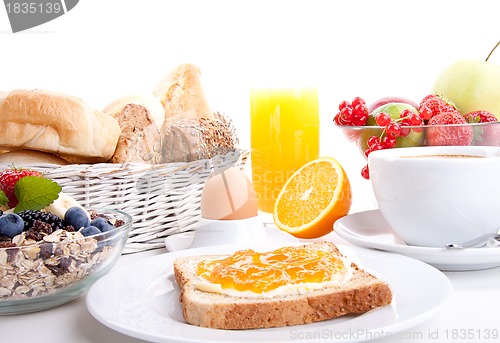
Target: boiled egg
[228, 195]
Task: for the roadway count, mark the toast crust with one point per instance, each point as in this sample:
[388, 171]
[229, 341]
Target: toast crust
[361, 294]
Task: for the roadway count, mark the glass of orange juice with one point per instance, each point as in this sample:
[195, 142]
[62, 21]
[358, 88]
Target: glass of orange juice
[284, 135]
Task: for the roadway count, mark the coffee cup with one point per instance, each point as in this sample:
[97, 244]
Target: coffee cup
[432, 196]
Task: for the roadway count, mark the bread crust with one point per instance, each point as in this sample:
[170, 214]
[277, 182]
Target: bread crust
[20, 157]
[182, 95]
[149, 101]
[189, 140]
[140, 138]
[361, 294]
[56, 123]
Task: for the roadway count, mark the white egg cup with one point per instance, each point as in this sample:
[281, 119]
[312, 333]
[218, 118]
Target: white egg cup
[238, 231]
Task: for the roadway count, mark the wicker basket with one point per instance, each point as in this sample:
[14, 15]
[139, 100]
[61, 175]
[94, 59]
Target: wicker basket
[162, 199]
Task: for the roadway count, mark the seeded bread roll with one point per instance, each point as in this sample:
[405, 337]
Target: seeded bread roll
[362, 293]
[56, 123]
[189, 140]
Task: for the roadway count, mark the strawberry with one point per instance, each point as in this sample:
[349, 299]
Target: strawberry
[442, 134]
[8, 180]
[434, 104]
[487, 134]
[480, 117]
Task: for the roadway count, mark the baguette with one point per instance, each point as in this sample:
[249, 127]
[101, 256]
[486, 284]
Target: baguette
[362, 293]
[182, 96]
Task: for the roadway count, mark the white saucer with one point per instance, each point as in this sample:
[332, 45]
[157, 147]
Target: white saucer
[182, 241]
[370, 230]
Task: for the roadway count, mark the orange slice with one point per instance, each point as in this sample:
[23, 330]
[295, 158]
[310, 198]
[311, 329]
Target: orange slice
[313, 198]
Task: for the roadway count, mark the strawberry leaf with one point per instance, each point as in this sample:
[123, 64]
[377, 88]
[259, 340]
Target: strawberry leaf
[35, 193]
[3, 198]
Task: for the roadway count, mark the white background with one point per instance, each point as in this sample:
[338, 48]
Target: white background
[104, 49]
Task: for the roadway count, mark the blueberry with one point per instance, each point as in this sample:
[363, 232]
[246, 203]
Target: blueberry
[11, 224]
[102, 224]
[90, 231]
[77, 217]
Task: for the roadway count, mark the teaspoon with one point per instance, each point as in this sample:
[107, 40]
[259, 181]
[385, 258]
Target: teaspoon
[475, 243]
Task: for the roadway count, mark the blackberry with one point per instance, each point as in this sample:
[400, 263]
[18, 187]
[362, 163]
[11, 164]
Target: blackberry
[29, 217]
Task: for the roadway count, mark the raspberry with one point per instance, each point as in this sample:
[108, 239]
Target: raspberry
[448, 135]
[8, 180]
[434, 104]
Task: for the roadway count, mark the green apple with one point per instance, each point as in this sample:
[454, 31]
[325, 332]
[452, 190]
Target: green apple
[471, 85]
[393, 109]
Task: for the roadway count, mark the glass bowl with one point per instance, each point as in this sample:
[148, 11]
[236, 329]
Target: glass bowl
[60, 268]
[483, 134]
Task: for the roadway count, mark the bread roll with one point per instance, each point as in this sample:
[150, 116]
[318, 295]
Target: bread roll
[149, 101]
[56, 123]
[189, 140]
[182, 96]
[23, 157]
[140, 137]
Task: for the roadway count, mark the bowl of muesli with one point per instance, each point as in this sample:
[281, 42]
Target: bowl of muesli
[50, 263]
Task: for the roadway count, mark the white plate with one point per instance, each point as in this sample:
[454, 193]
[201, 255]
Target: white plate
[370, 230]
[142, 301]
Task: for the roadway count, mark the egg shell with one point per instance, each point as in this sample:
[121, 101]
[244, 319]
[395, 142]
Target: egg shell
[228, 196]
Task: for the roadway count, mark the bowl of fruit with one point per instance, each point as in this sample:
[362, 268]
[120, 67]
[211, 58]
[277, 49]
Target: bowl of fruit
[51, 249]
[395, 122]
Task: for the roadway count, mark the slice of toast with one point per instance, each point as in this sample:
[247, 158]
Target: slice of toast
[362, 293]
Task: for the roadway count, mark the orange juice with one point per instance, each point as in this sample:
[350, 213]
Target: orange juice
[284, 136]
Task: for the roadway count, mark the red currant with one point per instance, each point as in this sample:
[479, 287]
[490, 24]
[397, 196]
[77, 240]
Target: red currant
[416, 119]
[405, 122]
[344, 104]
[358, 101]
[393, 129]
[360, 120]
[405, 113]
[388, 142]
[372, 141]
[383, 119]
[365, 172]
[352, 114]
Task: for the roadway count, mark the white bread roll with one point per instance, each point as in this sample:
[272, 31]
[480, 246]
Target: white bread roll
[23, 157]
[182, 96]
[56, 123]
[140, 138]
[149, 101]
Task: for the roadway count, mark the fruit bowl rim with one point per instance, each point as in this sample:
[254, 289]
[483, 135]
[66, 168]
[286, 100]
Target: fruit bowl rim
[121, 230]
[415, 126]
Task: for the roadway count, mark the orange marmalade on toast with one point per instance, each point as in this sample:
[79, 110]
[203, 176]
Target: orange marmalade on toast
[288, 270]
